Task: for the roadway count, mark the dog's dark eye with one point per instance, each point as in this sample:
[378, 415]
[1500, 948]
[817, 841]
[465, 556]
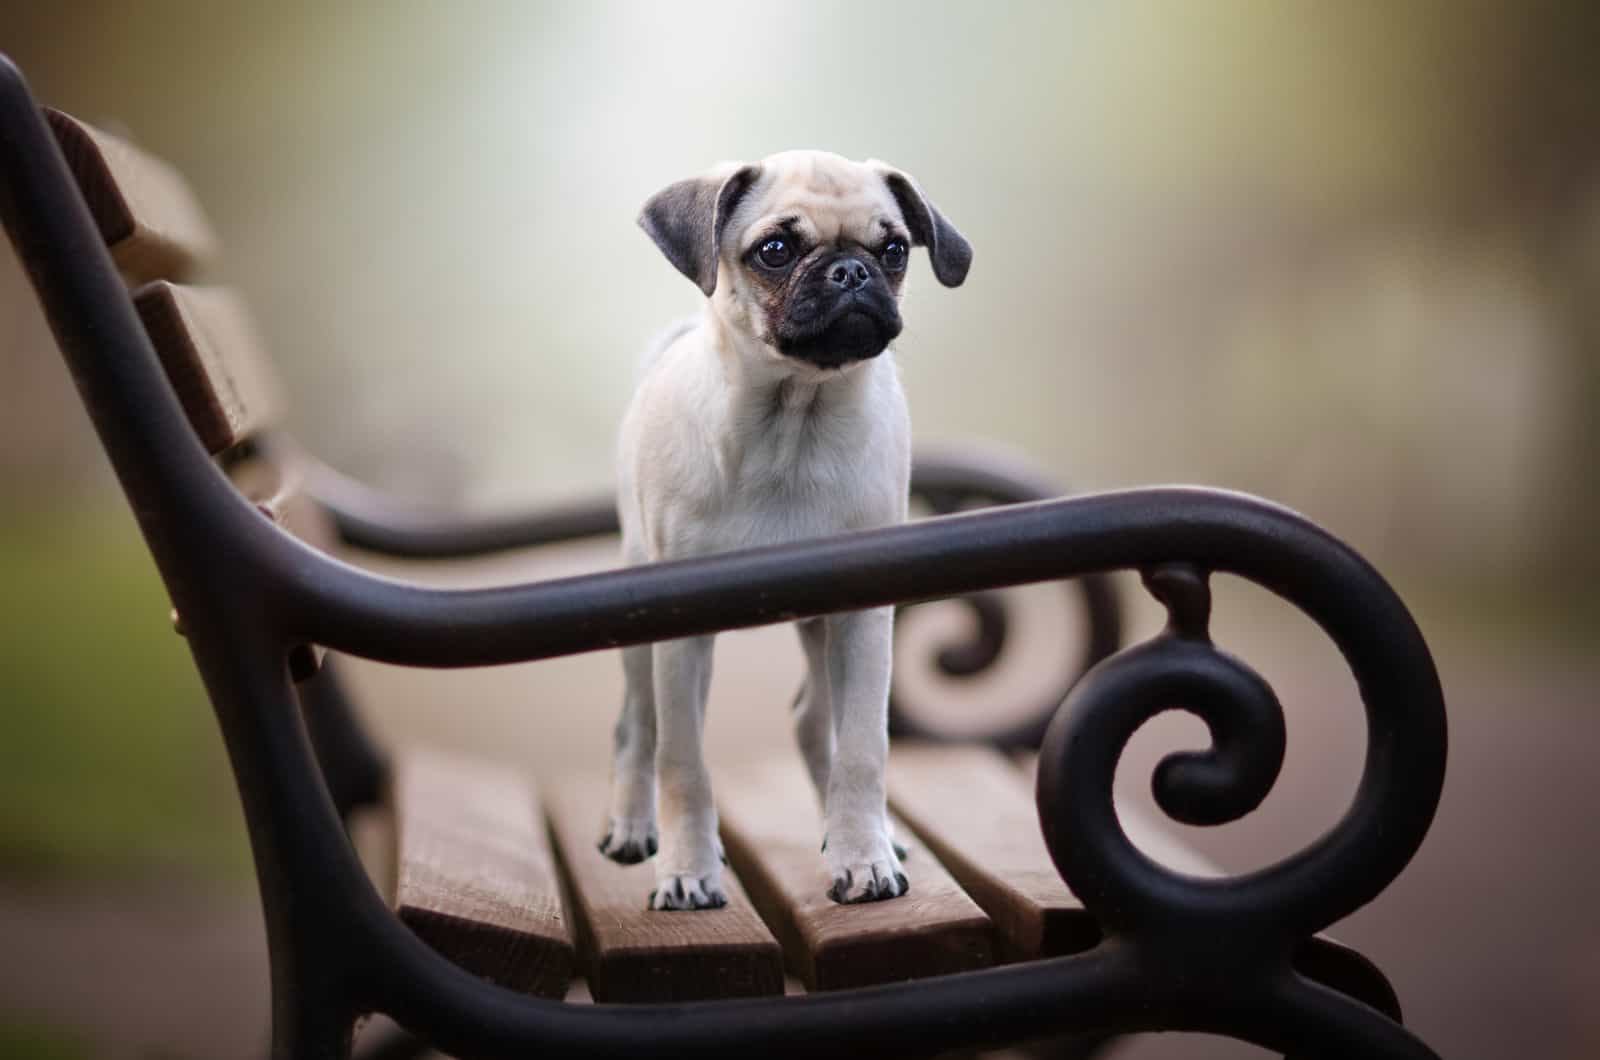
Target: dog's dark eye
[775, 253]
[894, 256]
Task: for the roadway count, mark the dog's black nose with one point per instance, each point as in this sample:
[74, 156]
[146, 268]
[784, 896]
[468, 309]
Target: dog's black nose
[848, 274]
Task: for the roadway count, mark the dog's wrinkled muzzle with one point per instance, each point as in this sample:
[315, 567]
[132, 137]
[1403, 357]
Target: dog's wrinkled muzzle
[846, 314]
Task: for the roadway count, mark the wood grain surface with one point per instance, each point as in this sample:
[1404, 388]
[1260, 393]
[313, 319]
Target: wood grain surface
[631, 953]
[474, 873]
[974, 809]
[772, 829]
[214, 359]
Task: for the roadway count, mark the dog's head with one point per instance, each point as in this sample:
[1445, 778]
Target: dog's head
[805, 251]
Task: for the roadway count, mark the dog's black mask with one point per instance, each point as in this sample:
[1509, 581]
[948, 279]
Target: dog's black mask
[840, 308]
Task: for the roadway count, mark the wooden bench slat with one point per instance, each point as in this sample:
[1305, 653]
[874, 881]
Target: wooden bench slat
[214, 359]
[474, 876]
[631, 953]
[772, 830]
[975, 811]
[142, 206]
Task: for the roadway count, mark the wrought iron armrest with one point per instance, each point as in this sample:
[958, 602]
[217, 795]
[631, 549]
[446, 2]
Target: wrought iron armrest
[1176, 536]
[1180, 952]
[376, 521]
[330, 603]
[373, 520]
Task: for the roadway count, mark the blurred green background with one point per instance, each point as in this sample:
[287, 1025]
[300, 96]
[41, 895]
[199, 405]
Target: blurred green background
[1346, 256]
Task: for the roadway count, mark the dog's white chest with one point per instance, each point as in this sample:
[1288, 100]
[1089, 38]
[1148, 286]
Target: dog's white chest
[768, 465]
[806, 463]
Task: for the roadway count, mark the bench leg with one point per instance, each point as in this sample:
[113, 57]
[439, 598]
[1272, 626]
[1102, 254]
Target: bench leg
[352, 766]
[310, 1032]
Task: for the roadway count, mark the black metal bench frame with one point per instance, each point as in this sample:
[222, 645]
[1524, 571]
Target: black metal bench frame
[1229, 956]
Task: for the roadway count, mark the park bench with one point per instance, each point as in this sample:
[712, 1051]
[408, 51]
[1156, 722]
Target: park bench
[461, 899]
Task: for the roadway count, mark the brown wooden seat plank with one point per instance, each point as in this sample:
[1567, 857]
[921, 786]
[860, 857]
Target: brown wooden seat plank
[631, 953]
[142, 206]
[474, 876]
[214, 359]
[975, 809]
[773, 831]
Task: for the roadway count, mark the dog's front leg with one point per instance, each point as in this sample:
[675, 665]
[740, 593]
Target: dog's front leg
[630, 834]
[857, 846]
[689, 866]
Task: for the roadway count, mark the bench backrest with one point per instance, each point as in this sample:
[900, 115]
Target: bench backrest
[143, 208]
[159, 237]
[207, 343]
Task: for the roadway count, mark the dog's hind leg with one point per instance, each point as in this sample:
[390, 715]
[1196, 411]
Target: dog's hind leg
[630, 834]
[813, 714]
[689, 867]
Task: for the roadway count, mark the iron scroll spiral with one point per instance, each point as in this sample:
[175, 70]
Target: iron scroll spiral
[1218, 954]
[953, 484]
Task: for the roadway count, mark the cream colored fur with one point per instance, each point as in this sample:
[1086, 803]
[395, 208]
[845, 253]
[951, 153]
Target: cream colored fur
[729, 444]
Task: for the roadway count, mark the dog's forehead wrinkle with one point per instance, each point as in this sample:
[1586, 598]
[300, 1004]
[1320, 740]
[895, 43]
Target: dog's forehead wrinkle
[825, 221]
[831, 196]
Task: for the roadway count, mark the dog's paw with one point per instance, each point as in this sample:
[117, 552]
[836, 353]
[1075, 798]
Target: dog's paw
[869, 883]
[689, 892]
[865, 869]
[629, 840]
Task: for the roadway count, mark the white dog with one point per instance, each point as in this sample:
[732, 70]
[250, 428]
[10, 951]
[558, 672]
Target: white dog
[775, 416]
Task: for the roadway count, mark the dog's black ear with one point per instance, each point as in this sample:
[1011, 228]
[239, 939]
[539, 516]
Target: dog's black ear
[687, 219]
[948, 249]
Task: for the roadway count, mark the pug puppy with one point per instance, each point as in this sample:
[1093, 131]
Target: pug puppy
[775, 415]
